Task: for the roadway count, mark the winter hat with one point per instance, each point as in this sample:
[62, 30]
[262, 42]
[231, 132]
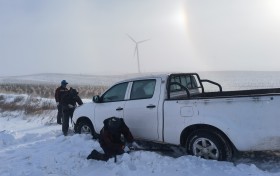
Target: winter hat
[63, 82]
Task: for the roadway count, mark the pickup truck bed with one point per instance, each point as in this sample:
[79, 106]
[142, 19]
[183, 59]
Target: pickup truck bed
[239, 93]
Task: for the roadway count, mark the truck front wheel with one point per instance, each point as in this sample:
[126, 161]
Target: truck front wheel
[209, 145]
[85, 127]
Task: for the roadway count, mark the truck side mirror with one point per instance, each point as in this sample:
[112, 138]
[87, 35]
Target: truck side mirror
[96, 99]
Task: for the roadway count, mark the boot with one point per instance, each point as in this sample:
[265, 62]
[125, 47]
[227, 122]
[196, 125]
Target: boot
[97, 156]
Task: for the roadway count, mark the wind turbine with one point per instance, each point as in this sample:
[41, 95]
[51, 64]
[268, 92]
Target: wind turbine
[136, 51]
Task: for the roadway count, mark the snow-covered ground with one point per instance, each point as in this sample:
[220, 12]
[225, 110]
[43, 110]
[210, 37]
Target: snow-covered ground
[38, 148]
[35, 146]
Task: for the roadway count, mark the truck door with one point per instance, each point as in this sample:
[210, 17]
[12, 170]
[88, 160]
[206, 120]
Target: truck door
[111, 104]
[141, 110]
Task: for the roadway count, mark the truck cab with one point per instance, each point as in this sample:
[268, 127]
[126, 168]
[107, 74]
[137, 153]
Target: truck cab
[139, 102]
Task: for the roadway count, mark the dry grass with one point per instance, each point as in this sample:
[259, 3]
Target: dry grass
[34, 103]
[48, 90]
[29, 106]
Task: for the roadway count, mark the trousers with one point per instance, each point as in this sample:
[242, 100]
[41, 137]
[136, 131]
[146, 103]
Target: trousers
[59, 114]
[67, 114]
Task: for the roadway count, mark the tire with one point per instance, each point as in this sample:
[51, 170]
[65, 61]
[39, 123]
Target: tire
[85, 127]
[209, 144]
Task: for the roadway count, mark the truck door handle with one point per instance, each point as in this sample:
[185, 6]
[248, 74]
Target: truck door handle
[150, 106]
[119, 109]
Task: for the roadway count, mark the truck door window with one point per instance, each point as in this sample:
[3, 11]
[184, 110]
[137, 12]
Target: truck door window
[116, 93]
[143, 89]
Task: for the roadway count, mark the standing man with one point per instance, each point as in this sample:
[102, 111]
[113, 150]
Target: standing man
[58, 94]
[69, 102]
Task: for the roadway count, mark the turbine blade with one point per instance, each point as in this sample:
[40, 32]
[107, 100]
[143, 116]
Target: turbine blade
[131, 38]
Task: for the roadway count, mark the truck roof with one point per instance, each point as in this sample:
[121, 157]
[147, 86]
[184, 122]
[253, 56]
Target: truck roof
[163, 76]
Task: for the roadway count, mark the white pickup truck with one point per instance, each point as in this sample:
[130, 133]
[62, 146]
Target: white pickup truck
[176, 109]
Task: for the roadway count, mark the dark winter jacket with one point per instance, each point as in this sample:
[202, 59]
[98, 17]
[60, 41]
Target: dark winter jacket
[59, 92]
[70, 98]
[110, 138]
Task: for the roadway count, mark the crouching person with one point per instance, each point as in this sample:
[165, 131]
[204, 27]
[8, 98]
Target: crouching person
[69, 101]
[110, 139]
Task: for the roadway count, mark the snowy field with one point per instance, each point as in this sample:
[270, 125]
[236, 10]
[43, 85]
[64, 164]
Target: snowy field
[34, 145]
[230, 80]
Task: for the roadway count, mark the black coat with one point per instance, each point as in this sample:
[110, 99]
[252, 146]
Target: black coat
[70, 98]
[59, 92]
[110, 140]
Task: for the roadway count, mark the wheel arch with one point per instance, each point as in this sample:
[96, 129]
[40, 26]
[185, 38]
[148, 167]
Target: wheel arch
[83, 119]
[190, 129]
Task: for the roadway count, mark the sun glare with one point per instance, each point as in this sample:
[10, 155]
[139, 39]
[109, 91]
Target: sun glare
[180, 18]
[273, 7]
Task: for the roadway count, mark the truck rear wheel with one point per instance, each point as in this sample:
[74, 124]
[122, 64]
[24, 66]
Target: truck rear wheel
[208, 144]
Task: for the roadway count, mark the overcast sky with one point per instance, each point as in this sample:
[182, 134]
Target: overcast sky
[90, 36]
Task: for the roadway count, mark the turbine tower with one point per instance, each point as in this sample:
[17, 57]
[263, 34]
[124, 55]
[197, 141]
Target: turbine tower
[136, 51]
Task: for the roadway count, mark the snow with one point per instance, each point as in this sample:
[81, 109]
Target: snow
[230, 80]
[35, 147]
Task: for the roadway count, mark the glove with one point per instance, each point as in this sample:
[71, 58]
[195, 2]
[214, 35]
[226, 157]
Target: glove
[70, 106]
[132, 145]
